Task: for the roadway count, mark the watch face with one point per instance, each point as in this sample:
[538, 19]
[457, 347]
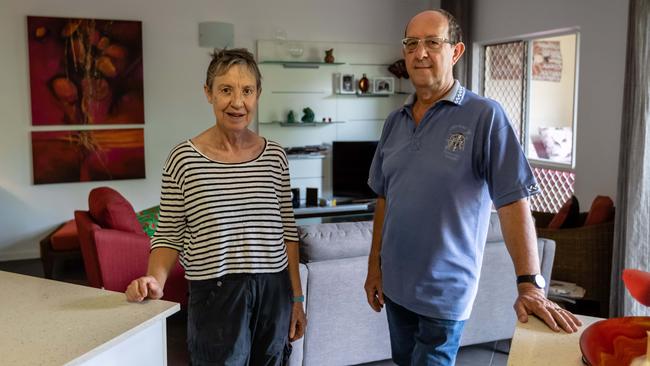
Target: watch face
[537, 280]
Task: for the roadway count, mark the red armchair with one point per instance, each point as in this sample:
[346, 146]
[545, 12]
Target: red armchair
[114, 247]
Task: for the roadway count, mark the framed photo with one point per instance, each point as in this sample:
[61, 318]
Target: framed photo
[346, 84]
[383, 85]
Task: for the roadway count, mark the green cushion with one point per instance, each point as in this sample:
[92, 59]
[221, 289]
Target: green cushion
[148, 218]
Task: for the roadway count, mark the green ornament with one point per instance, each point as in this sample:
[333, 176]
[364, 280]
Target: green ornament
[309, 115]
[291, 118]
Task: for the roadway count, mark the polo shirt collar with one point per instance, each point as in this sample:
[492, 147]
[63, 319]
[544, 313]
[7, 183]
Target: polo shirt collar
[455, 95]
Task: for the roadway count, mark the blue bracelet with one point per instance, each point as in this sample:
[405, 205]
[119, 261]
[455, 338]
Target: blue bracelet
[300, 298]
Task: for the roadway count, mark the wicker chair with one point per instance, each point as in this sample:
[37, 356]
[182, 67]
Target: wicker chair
[583, 255]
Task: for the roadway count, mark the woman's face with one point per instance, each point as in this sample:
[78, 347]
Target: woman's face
[234, 97]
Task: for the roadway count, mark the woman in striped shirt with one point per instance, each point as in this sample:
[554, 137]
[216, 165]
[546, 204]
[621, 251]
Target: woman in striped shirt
[226, 214]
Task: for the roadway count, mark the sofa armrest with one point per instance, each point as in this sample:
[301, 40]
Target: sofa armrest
[297, 346]
[341, 323]
[497, 292]
[546, 249]
[122, 257]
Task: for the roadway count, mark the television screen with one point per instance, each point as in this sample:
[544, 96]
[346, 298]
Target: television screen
[350, 166]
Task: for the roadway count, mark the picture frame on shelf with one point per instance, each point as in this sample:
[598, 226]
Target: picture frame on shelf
[383, 85]
[344, 83]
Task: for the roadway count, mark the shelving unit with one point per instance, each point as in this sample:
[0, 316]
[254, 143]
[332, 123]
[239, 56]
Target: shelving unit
[293, 83]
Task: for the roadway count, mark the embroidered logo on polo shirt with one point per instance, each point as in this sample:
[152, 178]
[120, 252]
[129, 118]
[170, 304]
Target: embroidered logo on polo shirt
[533, 188]
[456, 142]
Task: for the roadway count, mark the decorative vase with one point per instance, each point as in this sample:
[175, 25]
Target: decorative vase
[329, 57]
[364, 84]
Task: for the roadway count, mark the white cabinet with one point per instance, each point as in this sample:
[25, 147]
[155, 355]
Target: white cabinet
[306, 172]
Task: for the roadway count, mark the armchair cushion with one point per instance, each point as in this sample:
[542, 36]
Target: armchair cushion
[601, 211]
[568, 215]
[65, 237]
[112, 211]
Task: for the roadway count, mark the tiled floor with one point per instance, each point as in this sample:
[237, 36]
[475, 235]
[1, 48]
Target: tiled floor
[488, 354]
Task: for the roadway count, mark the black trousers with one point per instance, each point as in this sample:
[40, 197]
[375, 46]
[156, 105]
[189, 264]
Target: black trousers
[239, 319]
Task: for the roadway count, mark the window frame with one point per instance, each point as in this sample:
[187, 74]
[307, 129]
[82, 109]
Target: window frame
[527, 39]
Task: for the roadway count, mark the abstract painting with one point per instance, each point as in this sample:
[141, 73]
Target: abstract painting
[87, 155]
[85, 71]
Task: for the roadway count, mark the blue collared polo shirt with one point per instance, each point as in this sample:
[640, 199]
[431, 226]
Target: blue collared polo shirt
[440, 180]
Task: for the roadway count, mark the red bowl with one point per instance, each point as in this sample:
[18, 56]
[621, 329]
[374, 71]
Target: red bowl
[616, 341]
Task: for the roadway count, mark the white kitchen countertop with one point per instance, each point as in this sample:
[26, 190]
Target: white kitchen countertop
[45, 322]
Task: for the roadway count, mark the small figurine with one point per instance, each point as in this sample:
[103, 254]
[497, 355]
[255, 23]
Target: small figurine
[291, 118]
[329, 57]
[309, 115]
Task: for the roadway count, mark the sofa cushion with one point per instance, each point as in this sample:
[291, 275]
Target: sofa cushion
[601, 211]
[65, 237]
[111, 210]
[333, 241]
[568, 215]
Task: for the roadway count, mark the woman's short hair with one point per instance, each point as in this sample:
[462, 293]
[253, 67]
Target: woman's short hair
[223, 60]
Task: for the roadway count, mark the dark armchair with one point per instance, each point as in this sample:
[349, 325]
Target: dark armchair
[583, 255]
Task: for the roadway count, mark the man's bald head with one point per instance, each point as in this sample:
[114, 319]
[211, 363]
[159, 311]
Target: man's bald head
[454, 32]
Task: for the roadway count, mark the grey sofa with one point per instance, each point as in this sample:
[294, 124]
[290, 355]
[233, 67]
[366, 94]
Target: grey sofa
[343, 330]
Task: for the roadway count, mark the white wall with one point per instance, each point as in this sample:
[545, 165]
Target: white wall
[603, 32]
[174, 68]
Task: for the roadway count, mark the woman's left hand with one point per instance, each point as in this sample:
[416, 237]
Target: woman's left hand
[298, 322]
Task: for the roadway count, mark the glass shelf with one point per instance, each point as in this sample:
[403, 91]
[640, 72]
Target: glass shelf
[300, 124]
[371, 95]
[301, 64]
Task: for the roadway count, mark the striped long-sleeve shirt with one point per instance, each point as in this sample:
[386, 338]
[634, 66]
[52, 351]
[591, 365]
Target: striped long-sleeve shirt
[226, 217]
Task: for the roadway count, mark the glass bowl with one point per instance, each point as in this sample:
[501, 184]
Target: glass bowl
[615, 342]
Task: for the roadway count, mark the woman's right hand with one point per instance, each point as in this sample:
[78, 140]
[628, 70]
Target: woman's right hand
[146, 287]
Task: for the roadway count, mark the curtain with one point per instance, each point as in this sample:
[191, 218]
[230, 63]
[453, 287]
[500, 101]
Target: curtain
[632, 233]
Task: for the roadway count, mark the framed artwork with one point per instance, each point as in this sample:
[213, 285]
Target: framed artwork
[344, 83]
[383, 85]
[85, 71]
[87, 155]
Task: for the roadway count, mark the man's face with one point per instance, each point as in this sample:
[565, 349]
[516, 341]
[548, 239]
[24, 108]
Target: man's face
[431, 68]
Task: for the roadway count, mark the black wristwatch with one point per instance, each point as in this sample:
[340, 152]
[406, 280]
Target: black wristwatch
[536, 279]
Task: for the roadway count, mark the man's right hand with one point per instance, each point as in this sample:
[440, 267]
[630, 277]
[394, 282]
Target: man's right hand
[146, 287]
[373, 286]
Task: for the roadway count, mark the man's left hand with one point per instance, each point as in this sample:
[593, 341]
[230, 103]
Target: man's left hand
[531, 300]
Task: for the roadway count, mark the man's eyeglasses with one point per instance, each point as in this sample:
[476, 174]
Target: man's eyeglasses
[430, 43]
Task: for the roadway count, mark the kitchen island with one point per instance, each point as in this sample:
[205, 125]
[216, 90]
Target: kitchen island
[47, 322]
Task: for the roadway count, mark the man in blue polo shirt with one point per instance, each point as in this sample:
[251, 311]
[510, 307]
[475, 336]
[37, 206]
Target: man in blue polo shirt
[443, 159]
